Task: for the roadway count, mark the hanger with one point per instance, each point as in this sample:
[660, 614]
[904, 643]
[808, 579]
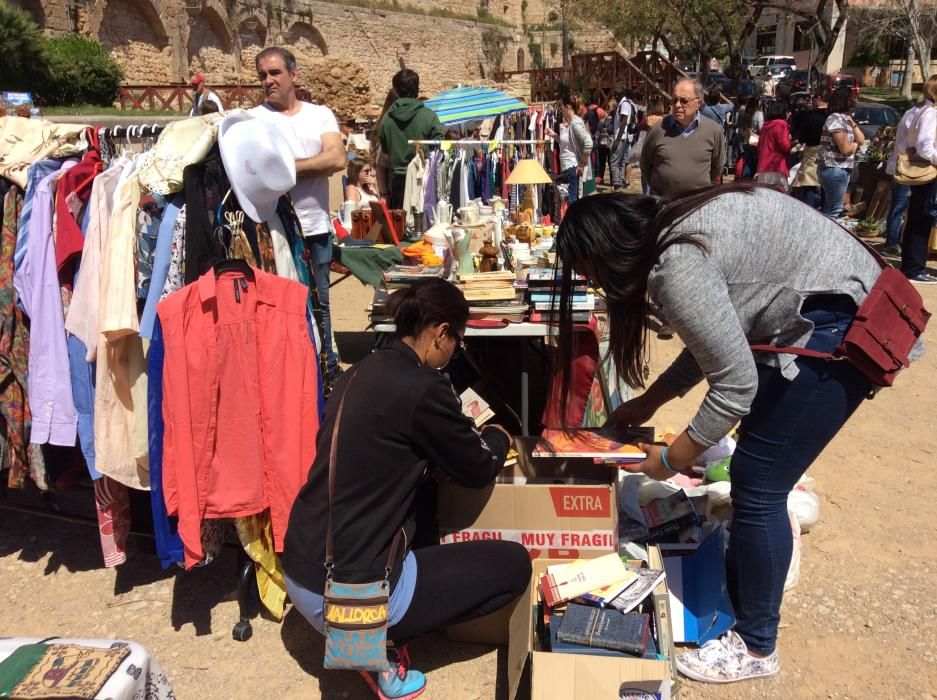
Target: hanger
[233, 265]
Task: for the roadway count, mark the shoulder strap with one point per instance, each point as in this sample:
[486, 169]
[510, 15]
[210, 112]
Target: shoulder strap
[333, 451]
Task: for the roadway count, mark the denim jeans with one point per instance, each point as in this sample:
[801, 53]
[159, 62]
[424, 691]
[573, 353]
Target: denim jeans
[573, 177]
[835, 182]
[619, 159]
[790, 423]
[808, 195]
[900, 198]
[320, 248]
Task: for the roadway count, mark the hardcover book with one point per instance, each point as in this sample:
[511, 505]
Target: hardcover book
[558, 647]
[585, 443]
[605, 628]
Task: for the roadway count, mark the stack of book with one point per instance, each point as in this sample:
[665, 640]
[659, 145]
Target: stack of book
[598, 606]
[492, 296]
[401, 276]
[543, 286]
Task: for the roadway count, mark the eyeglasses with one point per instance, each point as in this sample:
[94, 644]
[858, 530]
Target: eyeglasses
[683, 100]
[459, 344]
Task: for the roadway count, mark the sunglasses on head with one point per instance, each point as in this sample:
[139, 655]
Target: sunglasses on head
[683, 100]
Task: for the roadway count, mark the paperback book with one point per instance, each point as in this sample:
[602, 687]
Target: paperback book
[586, 443]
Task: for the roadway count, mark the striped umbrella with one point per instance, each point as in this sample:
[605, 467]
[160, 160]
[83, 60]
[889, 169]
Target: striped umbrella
[464, 104]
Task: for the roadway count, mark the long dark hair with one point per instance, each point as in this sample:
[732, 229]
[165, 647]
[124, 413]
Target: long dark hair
[428, 303]
[616, 239]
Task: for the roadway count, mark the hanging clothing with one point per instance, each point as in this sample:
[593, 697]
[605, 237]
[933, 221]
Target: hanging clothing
[205, 186]
[120, 389]
[175, 276]
[72, 193]
[161, 260]
[37, 285]
[83, 311]
[240, 404]
[14, 355]
[413, 190]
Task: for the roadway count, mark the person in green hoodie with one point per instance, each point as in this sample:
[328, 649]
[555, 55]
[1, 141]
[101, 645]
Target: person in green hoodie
[407, 119]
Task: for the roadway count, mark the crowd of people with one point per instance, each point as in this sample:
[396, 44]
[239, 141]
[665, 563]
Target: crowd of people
[806, 147]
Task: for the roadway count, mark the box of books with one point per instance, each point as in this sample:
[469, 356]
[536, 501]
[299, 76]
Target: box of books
[610, 641]
[557, 508]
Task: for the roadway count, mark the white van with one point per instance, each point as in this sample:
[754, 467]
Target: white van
[757, 68]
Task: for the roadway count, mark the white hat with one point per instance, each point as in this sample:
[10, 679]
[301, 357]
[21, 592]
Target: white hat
[258, 161]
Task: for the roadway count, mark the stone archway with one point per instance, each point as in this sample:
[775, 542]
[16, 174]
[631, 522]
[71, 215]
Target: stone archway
[252, 42]
[211, 48]
[133, 33]
[307, 45]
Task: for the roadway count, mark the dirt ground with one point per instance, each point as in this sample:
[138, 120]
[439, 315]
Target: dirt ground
[861, 624]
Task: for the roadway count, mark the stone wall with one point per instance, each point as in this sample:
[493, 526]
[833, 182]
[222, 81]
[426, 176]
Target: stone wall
[348, 50]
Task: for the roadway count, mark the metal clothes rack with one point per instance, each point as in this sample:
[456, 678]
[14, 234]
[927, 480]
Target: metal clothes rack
[460, 142]
[131, 131]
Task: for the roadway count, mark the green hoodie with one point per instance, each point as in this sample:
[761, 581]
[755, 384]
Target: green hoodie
[407, 119]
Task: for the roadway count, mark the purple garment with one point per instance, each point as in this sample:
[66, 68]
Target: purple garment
[55, 419]
[429, 198]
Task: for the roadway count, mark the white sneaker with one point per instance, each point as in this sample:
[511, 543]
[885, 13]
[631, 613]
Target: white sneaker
[726, 660]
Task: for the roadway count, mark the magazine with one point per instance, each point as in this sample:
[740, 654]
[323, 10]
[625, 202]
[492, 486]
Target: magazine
[585, 443]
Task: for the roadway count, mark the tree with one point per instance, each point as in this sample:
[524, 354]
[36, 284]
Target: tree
[827, 20]
[24, 59]
[912, 22]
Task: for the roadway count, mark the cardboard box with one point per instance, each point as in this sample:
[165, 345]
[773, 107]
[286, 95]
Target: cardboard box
[556, 521]
[580, 676]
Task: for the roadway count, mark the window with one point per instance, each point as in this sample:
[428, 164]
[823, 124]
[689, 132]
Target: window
[766, 39]
[803, 37]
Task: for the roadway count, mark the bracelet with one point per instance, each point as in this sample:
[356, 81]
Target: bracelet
[663, 458]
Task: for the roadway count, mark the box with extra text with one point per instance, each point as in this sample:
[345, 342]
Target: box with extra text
[556, 508]
[558, 676]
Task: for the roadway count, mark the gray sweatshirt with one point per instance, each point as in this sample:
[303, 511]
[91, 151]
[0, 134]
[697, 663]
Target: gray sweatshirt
[767, 253]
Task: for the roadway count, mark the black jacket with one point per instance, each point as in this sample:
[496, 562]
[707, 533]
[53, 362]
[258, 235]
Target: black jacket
[400, 420]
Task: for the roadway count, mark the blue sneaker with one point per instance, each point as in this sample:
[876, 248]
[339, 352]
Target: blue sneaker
[400, 682]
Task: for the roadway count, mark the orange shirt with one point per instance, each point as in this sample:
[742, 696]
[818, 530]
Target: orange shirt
[240, 401]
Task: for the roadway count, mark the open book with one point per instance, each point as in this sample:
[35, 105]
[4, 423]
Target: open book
[476, 408]
[585, 443]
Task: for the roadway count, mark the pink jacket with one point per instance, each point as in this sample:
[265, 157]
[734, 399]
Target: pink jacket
[240, 401]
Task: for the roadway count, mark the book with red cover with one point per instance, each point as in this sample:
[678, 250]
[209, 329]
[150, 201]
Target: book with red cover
[585, 443]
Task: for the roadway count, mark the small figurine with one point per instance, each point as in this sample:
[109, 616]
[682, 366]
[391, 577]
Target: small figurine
[489, 255]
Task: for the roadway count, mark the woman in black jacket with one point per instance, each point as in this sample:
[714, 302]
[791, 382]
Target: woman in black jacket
[402, 421]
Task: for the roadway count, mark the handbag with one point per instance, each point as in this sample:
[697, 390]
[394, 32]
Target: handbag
[885, 329]
[914, 170]
[753, 140]
[355, 614]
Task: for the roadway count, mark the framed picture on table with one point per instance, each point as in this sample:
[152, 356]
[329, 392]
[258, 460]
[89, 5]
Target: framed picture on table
[386, 223]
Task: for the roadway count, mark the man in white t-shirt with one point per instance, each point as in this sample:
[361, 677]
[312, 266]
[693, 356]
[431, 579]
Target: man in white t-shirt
[621, 142]
[313, 135]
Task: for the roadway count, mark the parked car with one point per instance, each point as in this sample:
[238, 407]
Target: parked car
[828, 83]
[795, 82]
[723, 83]
[758, 68]
[872, 116]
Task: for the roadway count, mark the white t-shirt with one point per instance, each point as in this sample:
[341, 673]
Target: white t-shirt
[303, 131]
[622, 115]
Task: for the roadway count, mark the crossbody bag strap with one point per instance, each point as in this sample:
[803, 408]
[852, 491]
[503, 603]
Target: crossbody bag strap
[333, 451]
[813, 353]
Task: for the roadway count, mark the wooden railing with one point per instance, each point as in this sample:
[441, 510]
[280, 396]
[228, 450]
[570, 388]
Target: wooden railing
[178, 98]
[600, 74]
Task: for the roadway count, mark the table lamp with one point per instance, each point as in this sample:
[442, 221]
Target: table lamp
[529, 172]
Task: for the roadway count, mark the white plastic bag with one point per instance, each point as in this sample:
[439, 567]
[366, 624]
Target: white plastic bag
[804, 506]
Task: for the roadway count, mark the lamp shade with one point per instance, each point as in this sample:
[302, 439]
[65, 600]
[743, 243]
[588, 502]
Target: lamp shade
[529, 172]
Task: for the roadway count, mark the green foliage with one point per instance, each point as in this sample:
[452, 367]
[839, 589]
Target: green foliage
[494, 46]
[81, 71]
[870, 52]
[24, 60]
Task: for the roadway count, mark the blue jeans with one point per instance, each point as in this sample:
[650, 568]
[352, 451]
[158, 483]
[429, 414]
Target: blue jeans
[790, 423]
[900, 198]
[573, 184]
[808, 195]
[320, 248]
[921, 219]
[835, 182]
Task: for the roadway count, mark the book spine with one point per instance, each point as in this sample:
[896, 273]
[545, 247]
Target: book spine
[605, 642]
[674, 526]
[551, 594]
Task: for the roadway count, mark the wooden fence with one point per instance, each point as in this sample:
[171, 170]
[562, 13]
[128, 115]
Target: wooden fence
[178, 98]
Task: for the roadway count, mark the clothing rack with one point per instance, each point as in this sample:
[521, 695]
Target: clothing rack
[131, 131]
[460, 142]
